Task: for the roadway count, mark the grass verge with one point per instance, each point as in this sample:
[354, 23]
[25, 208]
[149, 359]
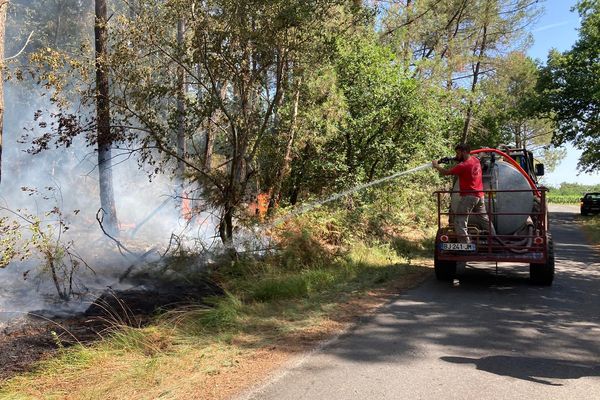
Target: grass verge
[274, 307]
[591, 225]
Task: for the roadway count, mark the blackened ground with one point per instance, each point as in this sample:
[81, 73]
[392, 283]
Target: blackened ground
[30, 339]
[25, 341]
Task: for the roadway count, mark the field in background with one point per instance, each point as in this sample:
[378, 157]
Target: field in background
[563, 199]
[569, 193]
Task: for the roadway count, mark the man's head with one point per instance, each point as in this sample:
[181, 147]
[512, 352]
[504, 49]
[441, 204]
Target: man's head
[463, 151]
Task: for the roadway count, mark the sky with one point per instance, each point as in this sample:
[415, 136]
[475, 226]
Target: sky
[557, 28]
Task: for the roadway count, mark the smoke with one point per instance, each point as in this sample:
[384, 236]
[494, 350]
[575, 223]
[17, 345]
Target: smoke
[67, 178]
[151, 219]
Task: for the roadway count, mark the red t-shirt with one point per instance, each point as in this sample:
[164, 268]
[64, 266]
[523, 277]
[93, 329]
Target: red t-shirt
[469, 177]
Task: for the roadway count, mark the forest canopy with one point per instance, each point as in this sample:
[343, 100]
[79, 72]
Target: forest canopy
[288, 100]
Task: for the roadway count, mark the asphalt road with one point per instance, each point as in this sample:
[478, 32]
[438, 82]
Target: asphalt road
[490, 337]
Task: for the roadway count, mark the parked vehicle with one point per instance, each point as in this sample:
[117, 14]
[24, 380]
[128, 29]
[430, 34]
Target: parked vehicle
[516, 206]
[590, 203]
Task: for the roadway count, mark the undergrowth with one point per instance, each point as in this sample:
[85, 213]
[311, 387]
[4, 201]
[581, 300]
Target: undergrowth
[323, 259]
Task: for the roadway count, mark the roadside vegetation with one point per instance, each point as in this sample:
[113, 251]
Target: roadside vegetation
[331, 265]
[591, 224]
[570, 193]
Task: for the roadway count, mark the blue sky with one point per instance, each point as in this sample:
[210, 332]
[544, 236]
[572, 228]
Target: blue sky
[557, 28]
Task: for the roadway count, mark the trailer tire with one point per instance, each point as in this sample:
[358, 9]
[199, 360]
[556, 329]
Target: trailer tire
[543, 274]
[444, 270]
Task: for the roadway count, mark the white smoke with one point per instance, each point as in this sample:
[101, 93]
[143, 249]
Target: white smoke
[147, 211]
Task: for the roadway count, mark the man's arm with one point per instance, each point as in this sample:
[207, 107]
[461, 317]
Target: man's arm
[441, 170]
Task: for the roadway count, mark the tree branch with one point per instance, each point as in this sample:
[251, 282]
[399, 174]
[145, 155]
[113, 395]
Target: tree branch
[120, 246]
[410, 21]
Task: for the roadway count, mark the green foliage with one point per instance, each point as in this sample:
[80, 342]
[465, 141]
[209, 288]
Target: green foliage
[30, 236]
[378, 132]
[570, 193]
[458, 45]
[563, 199]
[511, 111]
[570, 83]
[573, 189]
[283, 288]
[11, 235]
[366, 118]
[224, 313]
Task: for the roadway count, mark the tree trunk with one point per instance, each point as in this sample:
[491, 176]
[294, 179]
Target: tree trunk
[469, 117]
[107, 197]
[226, 225]
[406, 50]
[132, 10]
[3, 8]
[211, 130]
[297, 174]
[181, 90]
[58, 23]
[287, 158]
[209, 144]
[226, 231]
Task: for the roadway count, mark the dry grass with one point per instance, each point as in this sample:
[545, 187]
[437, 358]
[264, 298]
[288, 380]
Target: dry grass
[591, 225]
[273, 309]
[166, 363]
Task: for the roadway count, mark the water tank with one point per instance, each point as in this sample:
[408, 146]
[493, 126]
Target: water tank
[500, 175]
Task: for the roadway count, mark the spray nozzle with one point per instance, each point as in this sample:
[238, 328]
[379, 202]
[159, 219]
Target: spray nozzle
[446, 160]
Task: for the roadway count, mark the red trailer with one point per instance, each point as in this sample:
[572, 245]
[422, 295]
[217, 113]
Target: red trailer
[530, 243]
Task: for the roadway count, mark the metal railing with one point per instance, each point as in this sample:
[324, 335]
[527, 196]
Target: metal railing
[489, 245]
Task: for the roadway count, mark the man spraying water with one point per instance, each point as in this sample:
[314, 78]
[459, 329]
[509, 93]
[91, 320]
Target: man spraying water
[469, 174]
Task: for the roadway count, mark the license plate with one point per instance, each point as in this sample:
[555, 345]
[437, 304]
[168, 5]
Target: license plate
[459, 246]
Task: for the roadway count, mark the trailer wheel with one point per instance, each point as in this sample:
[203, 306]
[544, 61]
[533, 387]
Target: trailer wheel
[543, 274]
[444, 270]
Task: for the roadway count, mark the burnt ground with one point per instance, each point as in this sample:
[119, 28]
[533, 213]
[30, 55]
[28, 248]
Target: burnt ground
[27, 340]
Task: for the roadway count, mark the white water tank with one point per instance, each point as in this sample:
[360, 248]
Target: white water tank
[500, 175]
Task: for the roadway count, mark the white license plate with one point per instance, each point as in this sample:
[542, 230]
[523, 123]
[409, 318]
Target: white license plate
[459, 246]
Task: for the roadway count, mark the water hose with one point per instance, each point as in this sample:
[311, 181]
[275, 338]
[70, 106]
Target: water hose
[512, 162]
